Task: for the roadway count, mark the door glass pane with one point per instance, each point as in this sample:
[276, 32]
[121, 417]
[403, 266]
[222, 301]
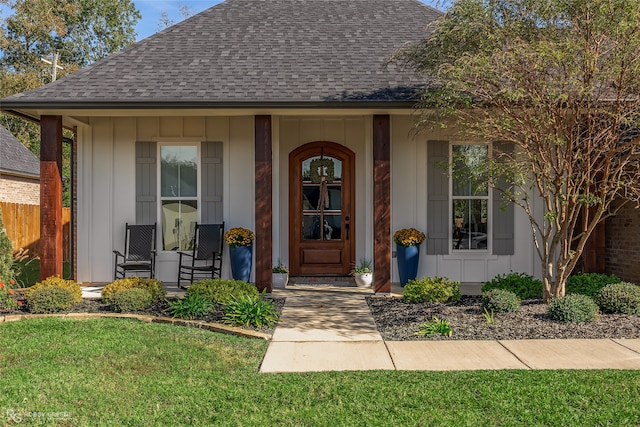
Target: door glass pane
[314, 168]
[178, 223]
[178, 171]
[332, 227]
[335, 197]
[310, 196]
[321, 198]
[470, 224]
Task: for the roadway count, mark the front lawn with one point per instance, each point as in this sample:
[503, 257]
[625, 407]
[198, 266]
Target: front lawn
[124, 372]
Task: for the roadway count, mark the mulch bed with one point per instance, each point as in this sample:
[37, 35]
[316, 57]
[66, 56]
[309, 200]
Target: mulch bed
[398, 321]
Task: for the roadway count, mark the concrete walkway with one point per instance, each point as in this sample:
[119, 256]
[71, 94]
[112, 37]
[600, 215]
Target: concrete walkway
[326, 328]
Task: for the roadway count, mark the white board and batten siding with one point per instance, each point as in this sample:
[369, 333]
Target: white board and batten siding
[116, 157]
[117, 182]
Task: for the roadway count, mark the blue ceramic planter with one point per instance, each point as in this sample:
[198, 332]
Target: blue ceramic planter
[408, 257]
[241, 262]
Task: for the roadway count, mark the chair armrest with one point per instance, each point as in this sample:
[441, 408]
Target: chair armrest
[118, 254]
[185, 253]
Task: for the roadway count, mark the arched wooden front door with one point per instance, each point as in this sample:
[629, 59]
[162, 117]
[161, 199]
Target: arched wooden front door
[322, 209]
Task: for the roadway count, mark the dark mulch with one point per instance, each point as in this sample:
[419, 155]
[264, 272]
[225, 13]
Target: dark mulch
[159, 309]
[398, 321]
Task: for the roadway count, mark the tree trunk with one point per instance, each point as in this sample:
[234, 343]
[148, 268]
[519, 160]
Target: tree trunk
[552, 288]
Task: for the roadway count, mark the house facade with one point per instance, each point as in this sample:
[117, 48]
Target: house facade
[282, 117]
[19, 171]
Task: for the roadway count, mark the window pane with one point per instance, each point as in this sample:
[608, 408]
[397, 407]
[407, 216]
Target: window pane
[178, 224]
[470, 224]
[179, 171]
[468, 163]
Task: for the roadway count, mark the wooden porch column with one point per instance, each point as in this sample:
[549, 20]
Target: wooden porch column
[51, 253]
[264, 199]
[382, 203]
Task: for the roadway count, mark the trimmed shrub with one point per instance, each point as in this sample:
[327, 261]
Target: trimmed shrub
[153, 286]
[523, 285]
[431, 289]
[57, 282]
[131, 299]
[218, 291]
[49, 299]
[621, 298]
[6, 254]
[189, 307]
[589, 284]
[573, 308]
[500, 301]
[249, 310]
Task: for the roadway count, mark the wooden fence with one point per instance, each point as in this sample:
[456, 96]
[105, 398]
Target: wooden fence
[22, 223]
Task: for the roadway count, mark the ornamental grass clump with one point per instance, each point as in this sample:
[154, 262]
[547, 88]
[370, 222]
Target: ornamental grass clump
[622, 298]
[190, 307]
[218, 291]
[431, 289]
[131, 299]
[250, 310]
[523, 285]
[408, 237]
[435, 326]
[153, 286]
[573, 308]
[500, 301]
[239, 236]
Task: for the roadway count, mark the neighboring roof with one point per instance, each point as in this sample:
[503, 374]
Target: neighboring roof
[15, 158]
[255, 52]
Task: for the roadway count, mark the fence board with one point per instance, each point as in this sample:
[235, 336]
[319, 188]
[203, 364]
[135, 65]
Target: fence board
[22, 223]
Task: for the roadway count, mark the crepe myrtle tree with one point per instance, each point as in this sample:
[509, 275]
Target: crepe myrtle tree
[559, 80]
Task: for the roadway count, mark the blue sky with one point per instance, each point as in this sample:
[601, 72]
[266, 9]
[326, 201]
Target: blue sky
[151, 11]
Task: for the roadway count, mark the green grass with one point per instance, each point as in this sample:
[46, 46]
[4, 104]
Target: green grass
[29, 271]
[123, 372]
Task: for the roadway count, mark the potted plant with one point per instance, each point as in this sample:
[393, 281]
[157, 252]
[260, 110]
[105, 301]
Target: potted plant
[279, 276]
[240, 241]
[408, 242]
[363, 274]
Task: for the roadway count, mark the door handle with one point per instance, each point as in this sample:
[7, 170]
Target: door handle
[347, 226]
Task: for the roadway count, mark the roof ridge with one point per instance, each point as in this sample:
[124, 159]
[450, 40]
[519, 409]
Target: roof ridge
[244, 51]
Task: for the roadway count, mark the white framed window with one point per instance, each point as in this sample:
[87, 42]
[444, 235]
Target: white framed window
[179, 190]
[470, 196]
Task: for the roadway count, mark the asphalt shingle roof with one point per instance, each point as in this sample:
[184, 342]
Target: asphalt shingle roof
[15, 157]
[244, 52]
